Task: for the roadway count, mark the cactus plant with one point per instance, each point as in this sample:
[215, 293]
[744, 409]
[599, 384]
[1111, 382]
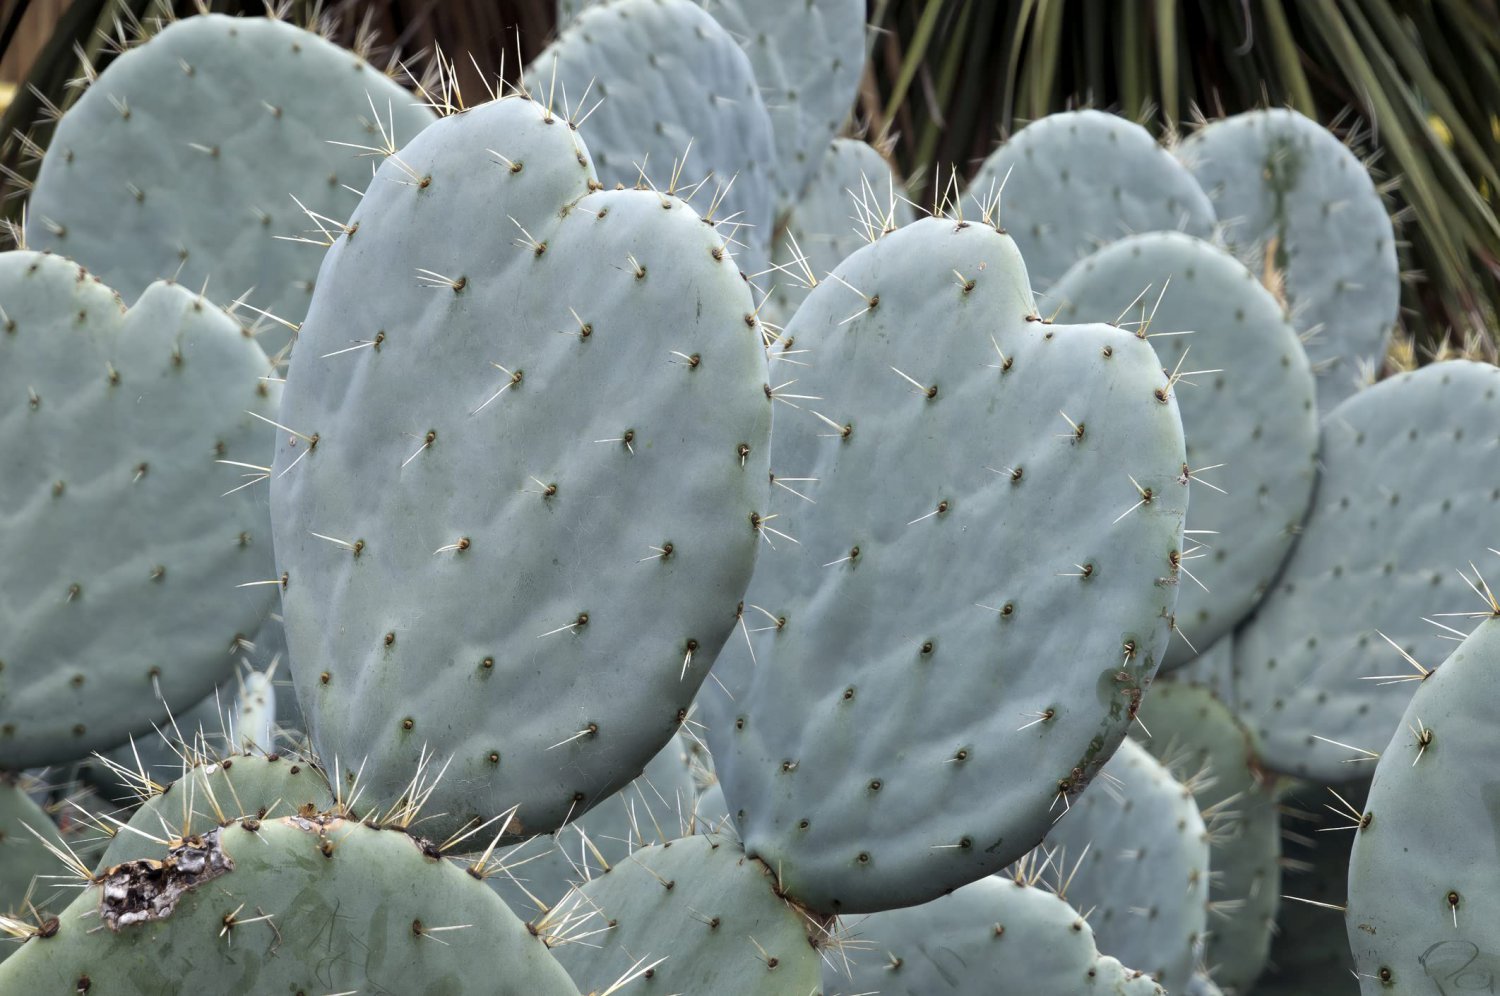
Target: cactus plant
[300, 903]
[700, 908]
[1198, 738]
[1136, 854]
[990, 936]
[844, 206]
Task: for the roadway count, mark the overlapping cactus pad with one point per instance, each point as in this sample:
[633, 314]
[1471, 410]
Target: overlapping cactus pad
[996, 935]
[1423, 874]
[980, 587]
[526, 453]
[307, 903]
[188, 157]
[121, 553]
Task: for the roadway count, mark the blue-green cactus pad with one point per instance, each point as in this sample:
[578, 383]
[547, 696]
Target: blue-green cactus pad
[711, 913]
[183, 158]
[969, 622]
[526, 525]
[1136, 854]
[310, 904]
[676, 88]
[1286, 188]
[120, 553]
[1077, 180]
[996, 935]
[1424, 874]
[1410, 480]
[1251, 416]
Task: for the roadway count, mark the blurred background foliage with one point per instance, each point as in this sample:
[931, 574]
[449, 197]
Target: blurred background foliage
[1414, 85]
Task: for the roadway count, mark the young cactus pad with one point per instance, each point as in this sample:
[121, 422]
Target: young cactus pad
[121, 553]
[1077, 180]
[1301, 210]
[1249, 406]
[1198, 738]
[528, 446]
[677, 101]
[1135, 853]
[1424, 875]
[848, 203]
[807, 57]
[997, 935]
[1408, 482]
[962, 632]
[708, 914]
[309, 903]
[188, 156]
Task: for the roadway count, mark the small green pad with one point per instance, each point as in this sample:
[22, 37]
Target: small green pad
[25, 862]
[996, 935]
[849, 201]
[1200, 741]
[1287, 189]
[210, 793]
[674, 88]
[184, 158]
[711, 915]
[1424, 875]
[656, 807]
[1136, 855]
[1071, 182]
[121, 552]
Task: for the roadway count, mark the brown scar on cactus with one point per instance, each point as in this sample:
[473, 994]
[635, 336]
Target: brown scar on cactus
[146, 890]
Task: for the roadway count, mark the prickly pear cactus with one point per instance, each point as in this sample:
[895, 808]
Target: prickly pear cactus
[1423, 878]
[984, 938]
[1301, 210]
[673, 88]
[1077, 180]
[1249, 406]
[516, 506]
[311, 903]
[709, 915]
[848, 202]
[121, 553]
[188, 155]
[1136, 852]
[1197, 737]
[1389, 532]
[982, 620]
